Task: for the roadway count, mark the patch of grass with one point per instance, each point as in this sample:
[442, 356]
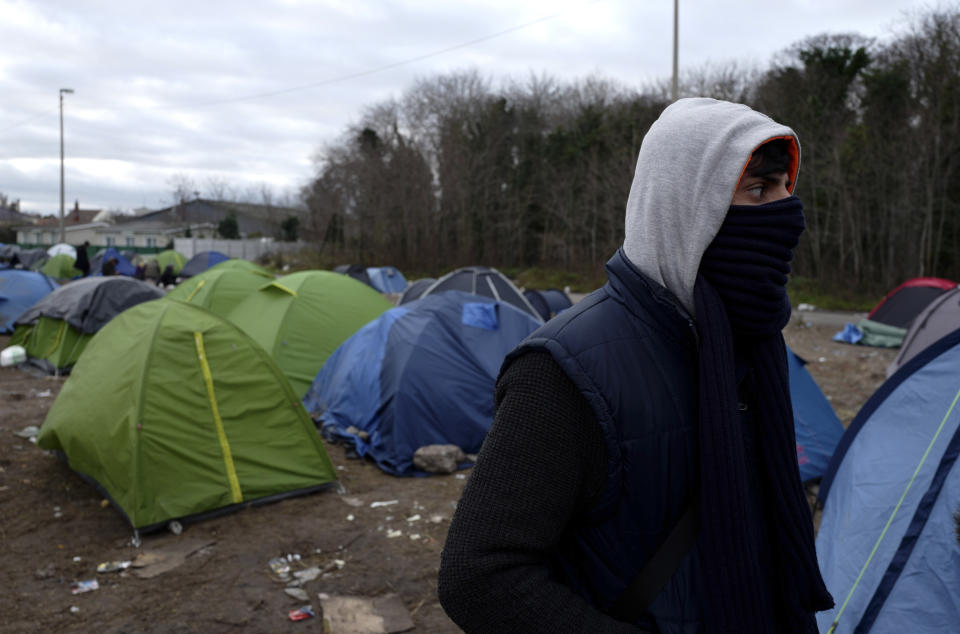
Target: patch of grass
[805, 290]
[541, 279]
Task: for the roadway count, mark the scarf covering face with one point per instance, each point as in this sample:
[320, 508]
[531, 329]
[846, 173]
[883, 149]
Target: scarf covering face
[748, 263]
[741, 293]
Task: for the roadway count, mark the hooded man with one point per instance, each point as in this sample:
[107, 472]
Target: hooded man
[641, 470]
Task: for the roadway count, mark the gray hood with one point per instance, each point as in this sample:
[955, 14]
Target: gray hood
[689, 165]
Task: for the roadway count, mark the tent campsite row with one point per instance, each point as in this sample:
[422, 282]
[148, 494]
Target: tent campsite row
[463, 335]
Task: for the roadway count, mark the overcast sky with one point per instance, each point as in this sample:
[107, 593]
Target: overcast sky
[178, 87]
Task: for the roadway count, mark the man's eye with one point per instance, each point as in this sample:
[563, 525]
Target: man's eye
[757, 190]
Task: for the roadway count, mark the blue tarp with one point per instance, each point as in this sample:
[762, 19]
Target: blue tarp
[817, 427]
[124, 267]
[387, 279]
[201, 262]
[19, 290]
[890, 494]
[421, 374]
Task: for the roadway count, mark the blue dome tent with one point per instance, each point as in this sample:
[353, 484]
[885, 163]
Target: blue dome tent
[420, 374]
[887, 543]
[387, 279]
[201, 262]
[816, 424]
[19, 290]
[124, 267]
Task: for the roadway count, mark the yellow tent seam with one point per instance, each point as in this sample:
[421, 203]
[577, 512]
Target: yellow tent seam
[284, 288]
[195, 290]
[56, 344]
[221, 435]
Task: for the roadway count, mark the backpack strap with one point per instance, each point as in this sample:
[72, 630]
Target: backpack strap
[640, 594]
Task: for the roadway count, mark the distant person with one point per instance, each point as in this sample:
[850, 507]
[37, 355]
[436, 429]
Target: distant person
[15, 261]
[168, 277]
[151, 271]
[139, 273]
[109, 267]
[656, 407]
[83, 261]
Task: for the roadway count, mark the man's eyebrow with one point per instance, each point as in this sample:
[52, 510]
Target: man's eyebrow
[771, 178]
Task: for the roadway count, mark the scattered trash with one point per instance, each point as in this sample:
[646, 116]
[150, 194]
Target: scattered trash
[392, 533]
[29, 431]
[822, 360]
[437, 519]
[805, 307]
[460, 476]
[104, 503]
[351, 517]
[414, 536]
[175, 527]
[74, 609]
[302, 614]
[85, 586]
[13, 355]
[44, 394]
[307, 574]
[113, 566]
[279, 566]
[293, 557]
[380, 615]
[374, 505]
[413, 518]
[297, 593]
[149, 564]
[46, 573]
[77, 558]
[339, 563]
[323, 596]
[353, 501]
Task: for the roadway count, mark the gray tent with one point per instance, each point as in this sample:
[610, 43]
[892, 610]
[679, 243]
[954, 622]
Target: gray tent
[415, 289]
[938, 319]
[483, 280]
[89, 303]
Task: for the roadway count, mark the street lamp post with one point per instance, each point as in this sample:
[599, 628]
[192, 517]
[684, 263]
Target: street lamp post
[63, 91]
[676, 15]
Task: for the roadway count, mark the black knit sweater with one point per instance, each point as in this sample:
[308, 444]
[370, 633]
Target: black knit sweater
[541, 466]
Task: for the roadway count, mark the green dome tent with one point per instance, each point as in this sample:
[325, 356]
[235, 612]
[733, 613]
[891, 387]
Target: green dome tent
[60, 267]
[171, 257]
[245, 265]
[219, 290]
[57, 328]
[300, 319]
[175, 413]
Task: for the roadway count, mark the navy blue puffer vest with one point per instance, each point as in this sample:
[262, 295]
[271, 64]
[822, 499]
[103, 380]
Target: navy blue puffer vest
[633, 354]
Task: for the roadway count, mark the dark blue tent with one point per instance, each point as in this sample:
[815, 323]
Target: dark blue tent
[887, 543]
[817, 427]
[420, 374]
[201, 262]
[19, 290]
[123, 267]
[387, 279]
[548, 303]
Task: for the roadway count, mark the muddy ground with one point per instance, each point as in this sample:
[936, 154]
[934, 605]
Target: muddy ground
[55, 529]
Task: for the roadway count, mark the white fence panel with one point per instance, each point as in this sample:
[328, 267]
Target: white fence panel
[241, 249]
